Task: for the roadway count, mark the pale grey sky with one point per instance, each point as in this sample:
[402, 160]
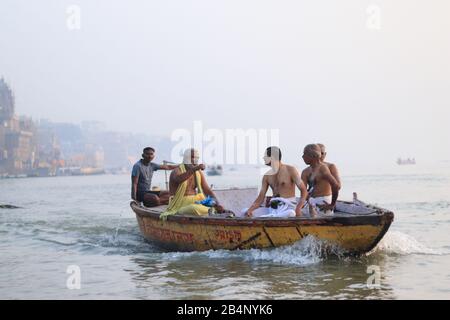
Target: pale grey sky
[313, 69]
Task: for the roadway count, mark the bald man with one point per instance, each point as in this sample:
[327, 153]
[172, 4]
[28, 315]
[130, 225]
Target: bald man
[187, 186]
[322, 186]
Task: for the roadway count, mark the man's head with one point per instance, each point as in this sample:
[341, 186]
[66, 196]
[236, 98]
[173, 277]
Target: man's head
[311, 154]
[272, 154]
[322, 151]
[191, 156]
[148, 154]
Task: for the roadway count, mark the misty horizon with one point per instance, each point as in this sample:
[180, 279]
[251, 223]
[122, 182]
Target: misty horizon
[316, 72]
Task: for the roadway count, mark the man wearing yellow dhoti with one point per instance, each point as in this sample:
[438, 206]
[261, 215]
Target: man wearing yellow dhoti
[187, 185]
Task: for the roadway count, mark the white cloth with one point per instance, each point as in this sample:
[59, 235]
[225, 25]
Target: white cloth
[286, 208]
[314, 202]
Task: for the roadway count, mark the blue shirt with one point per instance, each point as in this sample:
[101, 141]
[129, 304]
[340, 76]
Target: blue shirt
[144, 174]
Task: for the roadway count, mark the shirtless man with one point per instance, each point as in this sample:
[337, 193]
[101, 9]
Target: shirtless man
[322, 186]
[333, 169]
[282, 179]
[190, 178]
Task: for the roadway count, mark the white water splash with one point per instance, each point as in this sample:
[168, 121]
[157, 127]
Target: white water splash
[307, 251]
[395, 242]
[302, 253]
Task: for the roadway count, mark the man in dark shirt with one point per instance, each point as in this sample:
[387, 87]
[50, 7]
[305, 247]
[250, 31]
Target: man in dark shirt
[141, 180]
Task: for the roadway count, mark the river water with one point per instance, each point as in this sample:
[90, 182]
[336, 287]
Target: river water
[87, 222]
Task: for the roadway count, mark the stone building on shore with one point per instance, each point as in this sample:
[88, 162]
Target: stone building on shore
[18, 136]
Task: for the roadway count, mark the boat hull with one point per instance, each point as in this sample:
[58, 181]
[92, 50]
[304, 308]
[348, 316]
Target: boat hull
[354, 234]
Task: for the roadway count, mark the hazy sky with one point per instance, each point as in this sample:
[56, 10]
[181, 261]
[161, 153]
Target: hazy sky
[313, 69]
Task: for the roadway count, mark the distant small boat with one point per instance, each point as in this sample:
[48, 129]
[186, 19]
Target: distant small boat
[214, 170]
[409, 161]
[355, 227]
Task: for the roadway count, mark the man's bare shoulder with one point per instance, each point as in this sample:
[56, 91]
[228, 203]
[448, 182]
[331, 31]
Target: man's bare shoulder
[332, 166]
[291, 169]
[175, 172]
[307, 170]
[324, 169]
[269, 173]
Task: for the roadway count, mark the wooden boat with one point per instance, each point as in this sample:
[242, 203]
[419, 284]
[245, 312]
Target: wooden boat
[355, 227]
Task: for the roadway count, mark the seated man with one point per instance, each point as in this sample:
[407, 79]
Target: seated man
[282, 179]
[333, 169]
[141, 180]
[188, 186]
[322, 186]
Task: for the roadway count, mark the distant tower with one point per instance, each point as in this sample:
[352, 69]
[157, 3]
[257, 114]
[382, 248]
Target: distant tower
[6, 102]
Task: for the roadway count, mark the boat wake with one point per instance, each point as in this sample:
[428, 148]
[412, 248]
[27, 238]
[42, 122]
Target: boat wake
[399, 243]
[124, 240]
[310, 251]
[114, 238]
[305, 252]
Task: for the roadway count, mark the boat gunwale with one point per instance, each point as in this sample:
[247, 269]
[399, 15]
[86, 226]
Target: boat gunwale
[380, 216]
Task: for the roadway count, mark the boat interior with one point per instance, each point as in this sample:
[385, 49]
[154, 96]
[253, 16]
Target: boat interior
[235, 200]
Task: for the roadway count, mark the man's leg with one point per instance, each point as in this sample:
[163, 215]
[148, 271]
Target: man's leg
[261, 211]
[321, 200]
[256, 213]
[164, 197]
[151, 200]
[194, 210]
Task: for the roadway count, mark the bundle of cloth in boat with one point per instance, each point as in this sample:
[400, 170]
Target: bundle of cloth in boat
[279, 207]
[285, 208]
[186, 205]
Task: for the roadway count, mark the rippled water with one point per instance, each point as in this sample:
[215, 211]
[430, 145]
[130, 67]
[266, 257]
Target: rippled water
[86, 221]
